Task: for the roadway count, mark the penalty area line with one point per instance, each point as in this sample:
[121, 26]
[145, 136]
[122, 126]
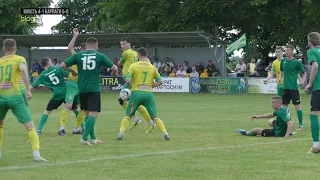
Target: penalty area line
[105, 158]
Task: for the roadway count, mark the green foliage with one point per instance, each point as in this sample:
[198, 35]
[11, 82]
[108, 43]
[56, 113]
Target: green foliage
[10, 16]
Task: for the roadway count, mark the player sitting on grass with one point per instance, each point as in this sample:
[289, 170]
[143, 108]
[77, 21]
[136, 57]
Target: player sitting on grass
[53, 78]
[281, 126]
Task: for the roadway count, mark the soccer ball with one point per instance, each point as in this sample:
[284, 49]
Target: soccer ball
[125, 94]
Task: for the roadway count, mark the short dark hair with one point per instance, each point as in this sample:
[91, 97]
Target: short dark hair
[9, 44]
[290, 47]
[44, 61]
[128, 40]
[91, 41]
[143, 51]
[55, 59]
[83, 45]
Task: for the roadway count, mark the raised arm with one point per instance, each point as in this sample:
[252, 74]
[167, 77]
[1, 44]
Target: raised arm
[269, 115]
[73, 41]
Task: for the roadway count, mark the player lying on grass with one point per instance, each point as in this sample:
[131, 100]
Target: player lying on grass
[53, 78]
[128, 57]
[140, 78]
[281, 126]
[12, 69]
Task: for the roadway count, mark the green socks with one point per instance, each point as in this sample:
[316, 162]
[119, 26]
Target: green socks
[300, 117]
[314, 120]
[42, 121]
[88, 127]
[250, 133]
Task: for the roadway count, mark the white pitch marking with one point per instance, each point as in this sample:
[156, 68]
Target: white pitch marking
[104, 158]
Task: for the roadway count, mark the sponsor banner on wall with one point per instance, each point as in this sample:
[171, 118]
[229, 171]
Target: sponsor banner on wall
[173, 84]
[219, 85]
[256, 85]
[111, 83]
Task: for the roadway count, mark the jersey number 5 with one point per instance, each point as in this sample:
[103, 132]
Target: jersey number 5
[88, 62]
[7, 72]
[54, 79]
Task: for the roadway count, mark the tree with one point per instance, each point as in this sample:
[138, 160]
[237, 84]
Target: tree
[11, 19]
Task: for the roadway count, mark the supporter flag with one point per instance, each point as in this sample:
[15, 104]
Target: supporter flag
[241, 42]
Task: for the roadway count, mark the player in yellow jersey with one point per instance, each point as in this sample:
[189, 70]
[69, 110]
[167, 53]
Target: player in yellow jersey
[129, 56]
[276, 70]
[12, 69]
[140, 78]
[72, 83]
[23, 86]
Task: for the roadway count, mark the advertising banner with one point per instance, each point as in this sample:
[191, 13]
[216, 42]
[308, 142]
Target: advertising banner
[111, 84]
[219, 85]
[173, 84]
[256, 85]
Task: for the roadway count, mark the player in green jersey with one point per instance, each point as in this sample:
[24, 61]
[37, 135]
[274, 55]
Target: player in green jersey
[290, 68]
[280, 127]
[53, 78]
[89, 63]
[129, 56]
[12, 69]
[314, 60]
[140, 78]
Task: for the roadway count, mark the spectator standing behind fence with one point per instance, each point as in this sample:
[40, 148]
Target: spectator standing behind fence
[194, 73]
[252, 68]
[185, 65]
[199, 67]
[212, 70]
[181, 72]
[55, 62]
[241, 68]
[36, 67]
[157, 64]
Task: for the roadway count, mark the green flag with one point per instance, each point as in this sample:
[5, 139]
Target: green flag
[241, 42]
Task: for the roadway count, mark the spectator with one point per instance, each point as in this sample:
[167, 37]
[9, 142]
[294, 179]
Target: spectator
[36, 67]
[252, 68]
[166, 63]
[181, 72]
[185, 65]
[55, 62]
[177, 66]
[194, 73]
[212, 70]
[241, 68]
[157, 64]
[199, 67]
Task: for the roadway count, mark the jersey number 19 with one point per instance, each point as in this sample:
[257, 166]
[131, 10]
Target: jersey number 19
[5, 71]
[88, 62]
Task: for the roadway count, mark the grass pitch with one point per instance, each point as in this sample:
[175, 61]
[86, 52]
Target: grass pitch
[204, 143]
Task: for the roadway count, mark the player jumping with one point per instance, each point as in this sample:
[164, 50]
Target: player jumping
[290, 68]
[129, 56]
[280, 127]
[13, 68]
[89, 63]
[314, 60]
[140, 78]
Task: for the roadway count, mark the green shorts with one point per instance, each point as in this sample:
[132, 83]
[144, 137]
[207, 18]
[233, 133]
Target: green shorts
[280, 90]
[24, 95]
[72, 93]
[17, 106]
[139, 98]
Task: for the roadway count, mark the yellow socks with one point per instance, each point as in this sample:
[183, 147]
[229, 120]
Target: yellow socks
[124, 124]
[1, 136]
[144, 113]
[80, 118]
[64, 117]
[34, 139]
[160, 125]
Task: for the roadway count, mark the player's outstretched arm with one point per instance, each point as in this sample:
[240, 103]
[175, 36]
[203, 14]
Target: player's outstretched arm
[25, 78]
[269, 115]
[66, 68]
[114, 70]
[289, 127]
[157, 83]
[73, 41]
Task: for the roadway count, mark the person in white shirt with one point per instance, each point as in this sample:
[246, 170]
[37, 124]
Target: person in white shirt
[157, 64]
[194, 73]
[181, 72]
[55, 63]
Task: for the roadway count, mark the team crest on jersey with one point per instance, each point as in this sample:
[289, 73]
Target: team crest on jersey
[195, 85]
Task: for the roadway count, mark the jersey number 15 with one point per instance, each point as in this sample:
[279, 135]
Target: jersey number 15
[88, 62]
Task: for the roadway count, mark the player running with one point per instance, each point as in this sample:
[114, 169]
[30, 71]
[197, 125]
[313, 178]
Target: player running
[129, 56]
[89, 63]
[12, 69]
[276, 70]
[53, 78]
[290, 68]
[314, 60]
[280, 127]
[140, 78]
[73, 80]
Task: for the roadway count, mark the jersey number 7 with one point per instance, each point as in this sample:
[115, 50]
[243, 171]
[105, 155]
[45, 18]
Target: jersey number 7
[88, 62]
